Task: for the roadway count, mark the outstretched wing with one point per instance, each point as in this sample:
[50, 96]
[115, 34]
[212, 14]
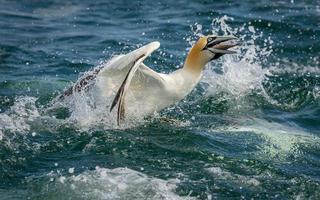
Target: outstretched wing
[124, 62]
[117, 65]
[146, 75]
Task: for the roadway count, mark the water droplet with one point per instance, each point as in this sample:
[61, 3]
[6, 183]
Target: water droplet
[71, 170]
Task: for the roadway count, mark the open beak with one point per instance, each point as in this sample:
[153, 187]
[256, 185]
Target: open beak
[221, 44]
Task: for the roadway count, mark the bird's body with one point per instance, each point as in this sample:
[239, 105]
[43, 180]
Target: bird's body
[147, 95]
[149, 91]
[137, 89]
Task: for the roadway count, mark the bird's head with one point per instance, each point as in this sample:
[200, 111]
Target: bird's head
[209, 48]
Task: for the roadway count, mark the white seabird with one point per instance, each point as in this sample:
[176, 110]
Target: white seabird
[139, 90]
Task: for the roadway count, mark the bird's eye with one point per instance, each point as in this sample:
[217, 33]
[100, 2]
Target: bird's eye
[210, 39]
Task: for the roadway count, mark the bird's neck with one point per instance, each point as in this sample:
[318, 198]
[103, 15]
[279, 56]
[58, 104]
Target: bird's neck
[192, 69]
[194, 64]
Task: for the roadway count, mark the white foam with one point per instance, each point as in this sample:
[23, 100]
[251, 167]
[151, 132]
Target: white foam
[240, 180]
[17, 117]
[118, 183]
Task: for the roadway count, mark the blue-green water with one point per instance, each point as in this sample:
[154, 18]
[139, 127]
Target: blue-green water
[251, 128]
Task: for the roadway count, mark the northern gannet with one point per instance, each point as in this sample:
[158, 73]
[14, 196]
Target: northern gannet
[139, 90]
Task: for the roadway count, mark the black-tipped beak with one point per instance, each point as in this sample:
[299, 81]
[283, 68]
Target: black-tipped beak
[221, 44]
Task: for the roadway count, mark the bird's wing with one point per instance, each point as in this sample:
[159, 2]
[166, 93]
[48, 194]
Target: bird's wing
[118, 65]
[124, 62]
[146, 75]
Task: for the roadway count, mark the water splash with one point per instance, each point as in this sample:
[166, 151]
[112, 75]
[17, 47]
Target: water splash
[240, 73]
[90, 107]
[252, 69]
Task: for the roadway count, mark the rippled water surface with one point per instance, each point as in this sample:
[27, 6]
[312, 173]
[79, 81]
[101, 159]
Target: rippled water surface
[250, 129]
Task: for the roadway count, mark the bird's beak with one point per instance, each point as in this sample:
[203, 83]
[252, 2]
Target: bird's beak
[221, 45]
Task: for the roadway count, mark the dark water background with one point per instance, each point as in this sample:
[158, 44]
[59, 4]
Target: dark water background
[251, 129]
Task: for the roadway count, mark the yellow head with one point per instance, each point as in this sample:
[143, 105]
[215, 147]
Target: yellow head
[208, 48]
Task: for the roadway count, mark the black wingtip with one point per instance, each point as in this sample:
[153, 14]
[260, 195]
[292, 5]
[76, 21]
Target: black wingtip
[115, 101]
[119, 96]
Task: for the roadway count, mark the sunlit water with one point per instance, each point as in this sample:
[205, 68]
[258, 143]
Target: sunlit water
[249, 130]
